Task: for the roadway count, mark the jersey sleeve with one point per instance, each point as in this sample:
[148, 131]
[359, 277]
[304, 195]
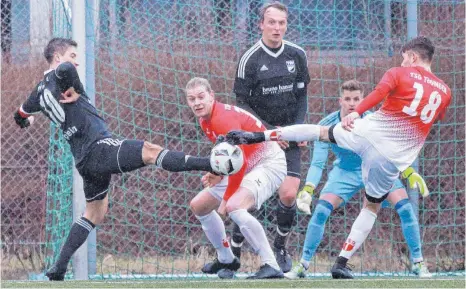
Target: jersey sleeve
[388, 83]
[32, 103]
[234, 181]
[245, 75]
[67, 76]
[302, 80]
[303, 71]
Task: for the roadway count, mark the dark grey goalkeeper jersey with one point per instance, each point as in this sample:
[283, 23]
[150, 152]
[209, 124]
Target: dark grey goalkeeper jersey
[81, 124]
[272, 83]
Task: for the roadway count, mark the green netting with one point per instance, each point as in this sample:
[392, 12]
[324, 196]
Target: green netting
[145, 53]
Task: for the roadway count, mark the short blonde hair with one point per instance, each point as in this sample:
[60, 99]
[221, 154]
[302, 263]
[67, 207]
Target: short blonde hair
[198, 81]
[352, 85]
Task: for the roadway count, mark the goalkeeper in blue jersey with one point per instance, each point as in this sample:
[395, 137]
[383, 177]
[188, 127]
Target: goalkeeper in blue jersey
[345, 180]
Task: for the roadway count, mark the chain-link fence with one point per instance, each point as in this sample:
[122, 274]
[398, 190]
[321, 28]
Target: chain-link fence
[145, 53]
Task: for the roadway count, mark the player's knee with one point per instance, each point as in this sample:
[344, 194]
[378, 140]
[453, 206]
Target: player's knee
[288, 196]
[373, 207]
[96, 214]
[196, 207]
[150, 152]
[232, 206]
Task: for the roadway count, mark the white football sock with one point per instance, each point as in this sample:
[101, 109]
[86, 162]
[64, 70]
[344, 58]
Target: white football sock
[359, 232]
[214, 229]
[297, 132]
[255, 235]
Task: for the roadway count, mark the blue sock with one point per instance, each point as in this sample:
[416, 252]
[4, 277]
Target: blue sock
[410, 228]
[315, 229]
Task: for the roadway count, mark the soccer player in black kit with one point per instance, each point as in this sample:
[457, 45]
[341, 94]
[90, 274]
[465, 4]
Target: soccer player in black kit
[61, 97]
[271, 83]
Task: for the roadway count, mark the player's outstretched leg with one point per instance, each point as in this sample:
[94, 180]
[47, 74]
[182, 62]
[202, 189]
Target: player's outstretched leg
[314, 234]
[93, 215]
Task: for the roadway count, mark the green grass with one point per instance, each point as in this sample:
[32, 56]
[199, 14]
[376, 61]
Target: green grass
[238, 283]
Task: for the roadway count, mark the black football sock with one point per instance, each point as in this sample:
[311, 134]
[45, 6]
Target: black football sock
[77, 236]
[342, 261]
[237, 237]
[174, 161]
[285, 219]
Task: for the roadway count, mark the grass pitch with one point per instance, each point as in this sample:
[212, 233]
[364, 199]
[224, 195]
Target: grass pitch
[238, 283]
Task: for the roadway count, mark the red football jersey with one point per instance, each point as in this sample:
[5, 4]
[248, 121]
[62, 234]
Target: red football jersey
[414, 99]
[227, 117]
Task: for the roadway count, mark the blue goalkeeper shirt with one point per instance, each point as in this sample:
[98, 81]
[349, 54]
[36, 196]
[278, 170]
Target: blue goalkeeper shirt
[344, 159]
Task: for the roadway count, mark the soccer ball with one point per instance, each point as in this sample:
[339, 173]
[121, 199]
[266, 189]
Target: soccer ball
[226, 159]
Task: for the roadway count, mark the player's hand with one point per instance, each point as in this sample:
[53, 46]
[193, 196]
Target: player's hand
[222, 209]
[304, 199]
[415, 181]
[283, 144]
[69, 96]
[209, 180]
[239, 137]
[347, 122]
[21, 121]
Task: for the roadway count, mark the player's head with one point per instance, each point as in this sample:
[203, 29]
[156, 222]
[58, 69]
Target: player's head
[200, 97]
[60, 50]
[418, 51]
[273, 23]
[351, 94]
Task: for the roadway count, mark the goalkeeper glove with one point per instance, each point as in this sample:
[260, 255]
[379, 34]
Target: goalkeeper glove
[304, 199]
[21, 121]
[415, 181]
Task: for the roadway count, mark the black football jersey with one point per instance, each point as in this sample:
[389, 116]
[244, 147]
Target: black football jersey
[270, 81]
[80, 122]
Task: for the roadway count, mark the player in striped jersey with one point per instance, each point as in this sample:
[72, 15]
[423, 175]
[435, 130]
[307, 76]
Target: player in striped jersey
[61, 97]
[271, 83]
[345, 180]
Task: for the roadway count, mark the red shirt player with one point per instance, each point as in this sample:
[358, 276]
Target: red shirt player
[263, 172]
[414, 99]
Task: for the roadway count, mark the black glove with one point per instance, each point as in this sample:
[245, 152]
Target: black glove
[22, 122]
[238, 137]
[220, 139]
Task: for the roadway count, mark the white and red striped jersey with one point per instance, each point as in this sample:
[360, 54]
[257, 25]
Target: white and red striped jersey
[414, 99]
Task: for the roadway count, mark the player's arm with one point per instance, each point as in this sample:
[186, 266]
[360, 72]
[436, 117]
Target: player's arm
[318, 163]
[29, 107]
[68, 78]
[383, 88]
[302, 80]
[244, 83]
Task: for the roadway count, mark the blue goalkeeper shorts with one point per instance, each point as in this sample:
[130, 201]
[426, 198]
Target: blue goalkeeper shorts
[345, 184]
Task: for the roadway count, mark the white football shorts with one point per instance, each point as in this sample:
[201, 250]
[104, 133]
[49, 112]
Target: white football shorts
[378, 173]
